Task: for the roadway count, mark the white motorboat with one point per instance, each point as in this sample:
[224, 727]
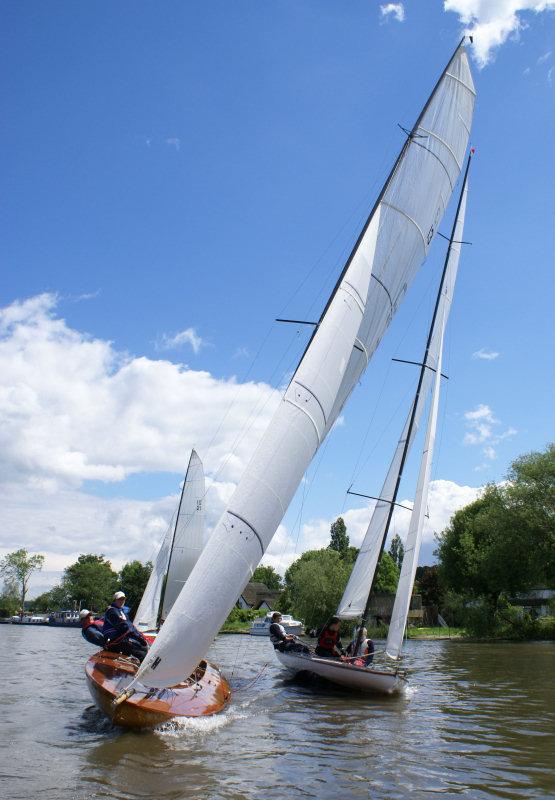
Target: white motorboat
[261, 626]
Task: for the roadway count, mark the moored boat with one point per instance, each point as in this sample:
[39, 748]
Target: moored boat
[65, 619]
[261, 626]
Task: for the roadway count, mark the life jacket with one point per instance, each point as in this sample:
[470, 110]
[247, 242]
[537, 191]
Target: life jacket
[329, 640]
[111, 632]
[88, 622]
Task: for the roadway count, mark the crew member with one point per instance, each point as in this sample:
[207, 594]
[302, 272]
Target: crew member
[121, 635]
[91, 629]
[365, 650]
[282, 640]
[329, 640]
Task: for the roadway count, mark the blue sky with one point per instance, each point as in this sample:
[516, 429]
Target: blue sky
[177, 175]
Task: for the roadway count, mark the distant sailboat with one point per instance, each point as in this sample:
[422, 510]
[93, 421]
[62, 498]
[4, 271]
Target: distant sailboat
[205, 691]
[391, 247]
[178, 553]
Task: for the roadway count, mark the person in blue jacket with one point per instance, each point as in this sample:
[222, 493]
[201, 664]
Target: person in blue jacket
[120, 633]
[91, 629]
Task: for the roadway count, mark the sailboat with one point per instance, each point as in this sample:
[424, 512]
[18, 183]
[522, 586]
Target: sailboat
[355, 603]
[206, 690]
[386, 258]
[178, 553]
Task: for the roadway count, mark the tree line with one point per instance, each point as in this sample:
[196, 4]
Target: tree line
[88, 583]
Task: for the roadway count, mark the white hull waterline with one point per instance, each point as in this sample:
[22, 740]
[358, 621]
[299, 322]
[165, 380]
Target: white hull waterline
[344, 673]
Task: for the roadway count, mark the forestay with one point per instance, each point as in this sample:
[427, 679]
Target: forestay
[384, 261]
[414, 536]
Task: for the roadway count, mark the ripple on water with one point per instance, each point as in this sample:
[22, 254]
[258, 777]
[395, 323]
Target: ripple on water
[474, 720]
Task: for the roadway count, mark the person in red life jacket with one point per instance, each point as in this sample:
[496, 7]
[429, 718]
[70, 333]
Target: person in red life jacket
[121, 635]
[329, 640]
[91, 629]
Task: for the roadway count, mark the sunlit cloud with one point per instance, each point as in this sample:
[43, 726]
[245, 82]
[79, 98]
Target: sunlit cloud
[173, 141]
[188, 336]
[73, 410]
[492, 22]
[394, 11]
[482, 430]
[485, 355]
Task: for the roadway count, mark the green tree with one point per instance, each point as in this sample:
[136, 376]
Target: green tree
[19, 566]
[339, 540]
[397, 550]
[91, 581]
[429, 586]
[133, 579]
[9, 598]
[315, 582]
[387, 577]
[503, 542]
[267, 575]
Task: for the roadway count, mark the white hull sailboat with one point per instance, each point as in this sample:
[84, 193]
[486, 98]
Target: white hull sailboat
[385, 260]
[352, 673]
[344, 673]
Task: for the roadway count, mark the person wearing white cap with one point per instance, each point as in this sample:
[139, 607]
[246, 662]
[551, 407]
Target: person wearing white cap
[91, 629]
[121, 635]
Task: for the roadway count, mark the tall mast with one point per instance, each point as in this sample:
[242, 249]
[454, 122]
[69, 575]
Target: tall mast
[423, 368]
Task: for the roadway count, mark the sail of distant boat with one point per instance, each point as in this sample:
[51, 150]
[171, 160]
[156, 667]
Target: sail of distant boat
[389, 251]
[180, 549]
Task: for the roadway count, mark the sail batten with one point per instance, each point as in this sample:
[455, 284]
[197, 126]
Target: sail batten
[350, 329]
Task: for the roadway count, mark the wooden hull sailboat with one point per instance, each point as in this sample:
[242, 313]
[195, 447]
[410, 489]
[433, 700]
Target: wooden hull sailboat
[205, 691]
[108, 674]
[344, 673]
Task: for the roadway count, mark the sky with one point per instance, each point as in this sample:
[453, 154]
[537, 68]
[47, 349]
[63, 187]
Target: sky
[177, 176]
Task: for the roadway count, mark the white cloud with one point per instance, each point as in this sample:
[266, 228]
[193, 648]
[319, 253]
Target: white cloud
[173, 141]
[188, 336]
[492, 22]
[72, 408]
[484, 354]
[481, 424]
[394, 10]
[444, 499]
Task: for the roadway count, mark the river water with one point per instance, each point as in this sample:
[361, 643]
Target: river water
[478, 720]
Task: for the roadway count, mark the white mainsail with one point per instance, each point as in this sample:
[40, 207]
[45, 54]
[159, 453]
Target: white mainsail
[384, 262]
[180, 549]
[189, 533]
[354, 598]
[414, 536]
